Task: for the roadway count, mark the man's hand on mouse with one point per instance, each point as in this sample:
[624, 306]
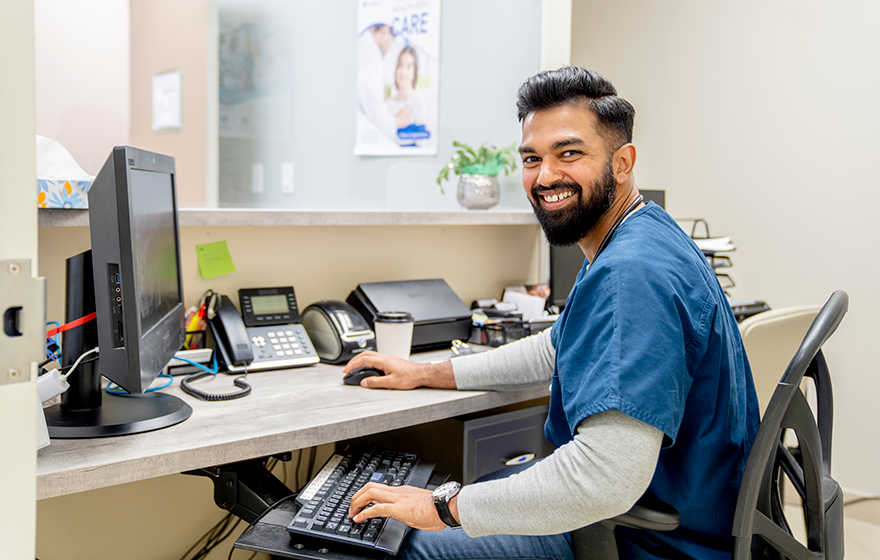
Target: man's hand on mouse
[407, 504]
[400, 373]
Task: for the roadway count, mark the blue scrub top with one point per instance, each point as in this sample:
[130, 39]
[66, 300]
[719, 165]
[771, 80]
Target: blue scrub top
[647, 330]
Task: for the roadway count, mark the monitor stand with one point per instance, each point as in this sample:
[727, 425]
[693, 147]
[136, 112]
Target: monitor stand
[85, 412]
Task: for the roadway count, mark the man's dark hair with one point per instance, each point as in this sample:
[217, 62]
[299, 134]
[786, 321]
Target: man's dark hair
[571, 86]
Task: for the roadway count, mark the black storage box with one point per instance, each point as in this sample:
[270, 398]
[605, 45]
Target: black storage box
[440, 315]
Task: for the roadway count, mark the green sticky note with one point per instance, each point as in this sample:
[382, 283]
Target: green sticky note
[214, 259]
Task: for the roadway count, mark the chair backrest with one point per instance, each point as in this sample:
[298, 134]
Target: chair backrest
[760, 529]
[771, 339]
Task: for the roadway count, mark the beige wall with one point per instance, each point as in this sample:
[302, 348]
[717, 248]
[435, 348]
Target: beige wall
[167, 35]
[762, 118]
[82, 76]
[324, 262]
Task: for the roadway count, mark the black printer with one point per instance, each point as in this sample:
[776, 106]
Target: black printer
[440, 315]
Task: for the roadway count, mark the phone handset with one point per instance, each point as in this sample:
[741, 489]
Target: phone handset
[232, 336]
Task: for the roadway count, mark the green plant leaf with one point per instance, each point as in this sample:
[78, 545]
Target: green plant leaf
[486, 160]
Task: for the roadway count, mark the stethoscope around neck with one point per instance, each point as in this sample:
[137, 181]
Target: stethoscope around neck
[629, 210]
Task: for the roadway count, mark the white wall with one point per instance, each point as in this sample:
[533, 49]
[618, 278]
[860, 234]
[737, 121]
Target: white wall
[82, 76]
[762, 117]
[18, 241]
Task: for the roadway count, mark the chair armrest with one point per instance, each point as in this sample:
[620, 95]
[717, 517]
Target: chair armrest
[597, 541]
[648, 513]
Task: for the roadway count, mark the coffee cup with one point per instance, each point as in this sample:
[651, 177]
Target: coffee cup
[394, 333]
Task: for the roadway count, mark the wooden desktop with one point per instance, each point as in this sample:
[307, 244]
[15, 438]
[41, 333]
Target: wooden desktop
[287, 410]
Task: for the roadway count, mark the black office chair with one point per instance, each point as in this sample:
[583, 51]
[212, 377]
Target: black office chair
[760, 528]
[597, 541]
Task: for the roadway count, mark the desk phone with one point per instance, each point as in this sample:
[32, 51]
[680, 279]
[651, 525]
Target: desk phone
[267, 335]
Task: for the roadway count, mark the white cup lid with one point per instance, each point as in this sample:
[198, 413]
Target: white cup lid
[394, 317]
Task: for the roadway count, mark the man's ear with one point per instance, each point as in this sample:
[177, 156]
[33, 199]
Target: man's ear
[623, 162]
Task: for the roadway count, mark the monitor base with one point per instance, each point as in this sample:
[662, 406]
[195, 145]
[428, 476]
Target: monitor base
[117, 416]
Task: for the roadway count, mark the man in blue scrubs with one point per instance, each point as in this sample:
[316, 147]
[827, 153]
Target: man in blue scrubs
[650, 388]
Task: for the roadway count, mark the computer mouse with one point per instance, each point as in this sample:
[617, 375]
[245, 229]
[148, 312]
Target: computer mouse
[354, 376]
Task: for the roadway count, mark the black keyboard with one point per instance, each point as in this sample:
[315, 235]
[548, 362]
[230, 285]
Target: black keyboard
[324, 502]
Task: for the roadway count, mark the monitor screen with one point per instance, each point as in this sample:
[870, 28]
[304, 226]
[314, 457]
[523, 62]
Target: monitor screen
[566, 262]
[155, 246]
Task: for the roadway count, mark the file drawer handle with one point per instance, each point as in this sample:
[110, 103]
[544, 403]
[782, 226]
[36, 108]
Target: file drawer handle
[519, 459]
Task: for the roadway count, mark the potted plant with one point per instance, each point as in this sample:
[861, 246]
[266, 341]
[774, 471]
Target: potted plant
[478, 173]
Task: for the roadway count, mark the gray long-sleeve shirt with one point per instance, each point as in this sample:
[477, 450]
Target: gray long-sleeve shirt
[601, 473]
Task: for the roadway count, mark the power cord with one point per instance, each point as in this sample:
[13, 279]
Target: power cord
[261, 516]
[212, 537]
[53, 383]
[79, 360]
[66, 370]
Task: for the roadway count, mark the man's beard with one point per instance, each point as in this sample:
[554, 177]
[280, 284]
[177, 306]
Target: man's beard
[569, 225]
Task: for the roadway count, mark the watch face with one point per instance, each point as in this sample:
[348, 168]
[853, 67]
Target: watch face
[446, 489]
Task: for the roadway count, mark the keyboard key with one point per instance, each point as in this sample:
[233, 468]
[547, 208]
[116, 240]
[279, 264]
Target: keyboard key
[357, 530]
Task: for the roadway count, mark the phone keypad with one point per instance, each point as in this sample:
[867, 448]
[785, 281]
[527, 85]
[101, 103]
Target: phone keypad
[289, 342]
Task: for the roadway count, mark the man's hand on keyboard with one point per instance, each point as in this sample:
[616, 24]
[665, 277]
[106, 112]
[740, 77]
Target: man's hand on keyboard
[413, 506]
[402, 374]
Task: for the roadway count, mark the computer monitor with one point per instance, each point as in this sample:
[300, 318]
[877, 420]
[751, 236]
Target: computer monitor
[566, 262]
[136, 264]
[138, 300]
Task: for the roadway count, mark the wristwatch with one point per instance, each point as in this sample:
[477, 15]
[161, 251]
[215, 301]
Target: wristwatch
[442, 495]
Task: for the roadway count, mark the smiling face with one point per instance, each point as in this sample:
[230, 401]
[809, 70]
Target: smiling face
[568, 171]
[405, 74]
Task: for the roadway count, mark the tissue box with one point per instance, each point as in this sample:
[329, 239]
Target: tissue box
[58, 193]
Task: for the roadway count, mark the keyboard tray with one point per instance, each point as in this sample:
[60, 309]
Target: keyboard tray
[270, 534]
[324, 511]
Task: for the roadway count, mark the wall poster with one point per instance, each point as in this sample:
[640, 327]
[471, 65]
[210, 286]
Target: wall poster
[398, 77]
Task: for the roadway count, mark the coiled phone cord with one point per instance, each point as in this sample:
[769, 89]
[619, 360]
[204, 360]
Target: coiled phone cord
[198, 393]
[185, 384]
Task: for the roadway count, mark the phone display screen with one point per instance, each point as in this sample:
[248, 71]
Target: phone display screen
[269, 305]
